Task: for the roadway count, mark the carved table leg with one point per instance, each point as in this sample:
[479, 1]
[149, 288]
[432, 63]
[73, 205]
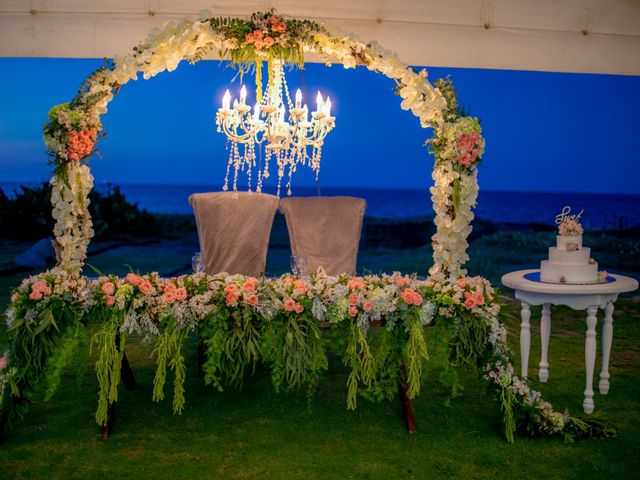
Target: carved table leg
[405, 401]
[607, 334]
[525, 338]
[590, 358]
[545, 330]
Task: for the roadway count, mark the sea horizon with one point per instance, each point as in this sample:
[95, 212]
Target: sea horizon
[601, 210]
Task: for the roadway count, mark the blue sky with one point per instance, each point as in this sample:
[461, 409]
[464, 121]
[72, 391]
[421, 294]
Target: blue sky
[544, 131]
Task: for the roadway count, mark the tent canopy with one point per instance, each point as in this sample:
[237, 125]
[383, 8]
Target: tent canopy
[590, 36]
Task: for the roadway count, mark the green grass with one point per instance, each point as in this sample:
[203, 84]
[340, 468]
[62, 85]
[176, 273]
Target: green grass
[256, 433]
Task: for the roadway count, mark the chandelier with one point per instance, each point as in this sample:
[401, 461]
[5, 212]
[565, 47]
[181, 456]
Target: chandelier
[277, 125]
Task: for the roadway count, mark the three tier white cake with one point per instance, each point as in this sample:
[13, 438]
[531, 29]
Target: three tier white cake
[569, 261]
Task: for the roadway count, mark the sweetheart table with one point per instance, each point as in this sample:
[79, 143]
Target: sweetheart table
[531, 291]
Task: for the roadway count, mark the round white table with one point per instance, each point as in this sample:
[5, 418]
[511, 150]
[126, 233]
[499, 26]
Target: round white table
[530, 291]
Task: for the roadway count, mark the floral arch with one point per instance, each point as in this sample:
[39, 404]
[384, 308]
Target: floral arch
[48, 311]
[73, 128]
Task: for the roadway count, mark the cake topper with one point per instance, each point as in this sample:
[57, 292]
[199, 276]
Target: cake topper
[565, 215]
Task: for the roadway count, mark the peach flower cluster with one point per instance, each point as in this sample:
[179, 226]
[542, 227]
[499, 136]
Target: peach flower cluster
[80, 144]
[355, 302]
[473, 299]
[263, 38]
[570, 228]
[233, 293]
[411, 297]
[143, 284]
[39, 290]
[468, 145]
[109, 290]
[290, 305]
[171, 293]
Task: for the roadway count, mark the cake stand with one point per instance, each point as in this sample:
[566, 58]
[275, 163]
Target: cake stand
[530, 291]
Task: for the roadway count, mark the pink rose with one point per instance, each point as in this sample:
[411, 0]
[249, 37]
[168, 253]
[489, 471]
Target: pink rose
[479, 298]
[181, 294]
[353, 311]
[474, 154]
[299, 308]
[289, 304]
[353, 299]
[461, 282]
[3, 363]
[46, 291]
[464, 143]
[109, 300]
[108, 288]
[145, 287]
[469, 303]
[367, 306]
[465, 160]
[252, 300]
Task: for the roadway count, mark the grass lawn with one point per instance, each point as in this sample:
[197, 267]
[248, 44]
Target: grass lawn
[256, 433]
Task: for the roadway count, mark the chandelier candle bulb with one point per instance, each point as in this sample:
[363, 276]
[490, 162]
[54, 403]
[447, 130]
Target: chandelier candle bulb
[243, 94]
[226, 100]
[327, 107]
[298, 98]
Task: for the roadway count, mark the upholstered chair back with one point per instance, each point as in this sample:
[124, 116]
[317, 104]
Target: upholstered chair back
[234, 229]
[325, 230]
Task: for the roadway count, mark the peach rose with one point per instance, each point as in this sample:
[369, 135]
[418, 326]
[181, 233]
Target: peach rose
[407, 296]
[108, 288]
[109, 300]
[353, 311]
[300, 285]
[231, 288]
[289, 304]
[169, 296]
[353, 299]
[356, 284]
[461, 282]
[268, 41]
[35, 295]
[417, 299]
[231, 299]
[469, 303]
[14, 297]
[252, 300]
[367, 306]
[3, 363]
[170, 288]
[46, 291]
[299, 308]
[145, 287]
[181, 294]
[249, 285]
[479, 298]
[132, 279]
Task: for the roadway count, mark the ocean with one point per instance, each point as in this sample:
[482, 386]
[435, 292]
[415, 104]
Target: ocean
[601, 210]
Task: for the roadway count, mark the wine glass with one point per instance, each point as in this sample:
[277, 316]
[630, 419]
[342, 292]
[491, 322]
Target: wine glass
[298, 265]
[197, 263]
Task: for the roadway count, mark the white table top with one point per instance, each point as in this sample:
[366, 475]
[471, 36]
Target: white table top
[517, 281]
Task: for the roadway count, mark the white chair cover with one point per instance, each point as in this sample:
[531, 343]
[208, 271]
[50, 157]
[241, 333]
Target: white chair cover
[325, 230]
[234, 229]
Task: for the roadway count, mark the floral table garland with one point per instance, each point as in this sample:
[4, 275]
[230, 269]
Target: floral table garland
[275, 321]
[271, 320]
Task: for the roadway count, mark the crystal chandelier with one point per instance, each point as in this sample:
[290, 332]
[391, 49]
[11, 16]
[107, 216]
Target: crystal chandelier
[276, 124]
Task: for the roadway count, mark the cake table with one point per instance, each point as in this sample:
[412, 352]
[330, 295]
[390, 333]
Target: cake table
[531, 291]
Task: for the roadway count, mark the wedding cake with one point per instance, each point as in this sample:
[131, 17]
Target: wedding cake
[569, 261]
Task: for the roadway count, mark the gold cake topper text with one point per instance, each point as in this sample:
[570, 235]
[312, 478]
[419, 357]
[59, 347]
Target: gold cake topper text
[566, 215]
